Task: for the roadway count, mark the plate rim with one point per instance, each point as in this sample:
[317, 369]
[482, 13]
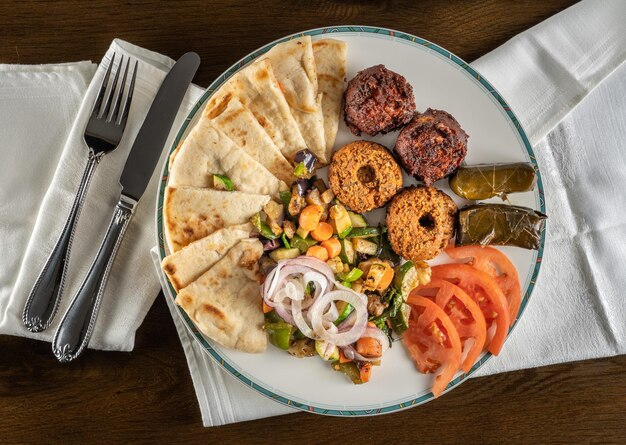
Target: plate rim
[392, 35]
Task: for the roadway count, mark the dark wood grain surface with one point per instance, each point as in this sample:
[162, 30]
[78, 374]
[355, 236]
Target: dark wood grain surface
[147, 395]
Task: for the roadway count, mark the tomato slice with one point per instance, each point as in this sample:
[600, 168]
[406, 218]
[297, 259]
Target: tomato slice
[466, 316]
[497, 265]
[483, 290]
[432, 341]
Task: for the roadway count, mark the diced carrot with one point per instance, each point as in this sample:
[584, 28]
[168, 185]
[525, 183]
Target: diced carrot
[318, 252]
[322, 232]
[369, 347]
[343, 358]
[372, 324]
[386, 280]
[333, 246]
[310, 217]
[267, 308]
[365, 372]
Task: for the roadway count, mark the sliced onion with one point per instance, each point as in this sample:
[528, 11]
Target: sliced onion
[299, 321]
[328, 331]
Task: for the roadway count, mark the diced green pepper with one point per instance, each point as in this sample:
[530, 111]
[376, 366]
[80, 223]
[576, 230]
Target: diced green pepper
[357, 220]
[222, 182]
[279, 334]
[351, 276]
[344, 310]
[262, 226]
[273, 317]
[364, 232]
[285, 197]
[350, 369]
[285, 241]
[302, 244]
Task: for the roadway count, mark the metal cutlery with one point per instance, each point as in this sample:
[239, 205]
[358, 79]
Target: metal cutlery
[102, 135]
[76, 327]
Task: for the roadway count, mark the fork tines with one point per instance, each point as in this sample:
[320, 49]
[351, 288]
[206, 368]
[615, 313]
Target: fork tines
[115, 96]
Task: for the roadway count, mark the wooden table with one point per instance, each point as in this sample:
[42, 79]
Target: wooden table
[147, 394]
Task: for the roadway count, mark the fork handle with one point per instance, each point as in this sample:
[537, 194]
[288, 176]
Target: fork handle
[44, 298]
[74, 331]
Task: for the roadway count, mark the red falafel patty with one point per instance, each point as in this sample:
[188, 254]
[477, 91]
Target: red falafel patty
[364, 175]
[420, 222]
[431, 146]
[377, 100]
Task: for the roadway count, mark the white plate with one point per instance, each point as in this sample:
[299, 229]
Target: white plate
[440, 80]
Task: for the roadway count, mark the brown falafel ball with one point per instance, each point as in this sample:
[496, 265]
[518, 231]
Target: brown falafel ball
[431, 146]
[378, 100]
[420, 221]
[364, 175]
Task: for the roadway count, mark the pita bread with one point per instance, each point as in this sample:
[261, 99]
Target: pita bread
[240, 125]
[186, 265]
[294, 67]
[330, 59]
[258, 90]
[225, 302]
[191, 213]
[207, 150]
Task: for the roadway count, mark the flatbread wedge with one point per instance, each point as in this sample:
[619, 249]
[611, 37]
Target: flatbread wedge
[208, 151]
[191, 213]
[258, 90]
[225, 301]
[240, 125]
[293, 63]
[186, 265]
[330, 59]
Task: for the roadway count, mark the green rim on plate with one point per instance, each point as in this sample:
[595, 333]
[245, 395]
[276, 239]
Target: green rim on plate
[391, 35]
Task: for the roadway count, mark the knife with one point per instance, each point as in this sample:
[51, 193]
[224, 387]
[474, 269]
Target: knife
[74, 331]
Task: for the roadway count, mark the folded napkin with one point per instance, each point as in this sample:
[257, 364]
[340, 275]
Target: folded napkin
[43, 115]
[566, 81]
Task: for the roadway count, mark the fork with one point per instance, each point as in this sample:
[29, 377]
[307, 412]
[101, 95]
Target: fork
[102, 135]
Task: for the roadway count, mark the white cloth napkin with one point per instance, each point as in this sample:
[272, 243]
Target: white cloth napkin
[565, 80]
[43, 113]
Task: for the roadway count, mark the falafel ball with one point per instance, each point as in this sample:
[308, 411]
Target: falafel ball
[420, 222]
[377, 100]
[431, 146]
[364, 175]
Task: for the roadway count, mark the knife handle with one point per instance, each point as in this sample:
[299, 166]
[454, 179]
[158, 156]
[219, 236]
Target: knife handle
[44, 298]
[74, 331]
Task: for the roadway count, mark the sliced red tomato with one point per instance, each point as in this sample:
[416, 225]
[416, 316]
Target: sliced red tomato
[432, 341]
[485, 291]
[466, 316]
[497, 265]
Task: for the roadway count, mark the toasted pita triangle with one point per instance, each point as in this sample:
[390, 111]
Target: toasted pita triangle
[330, 59]
[207, 151]
[191, 213]
[240, 125]
[293, 63]
[186, 265]
[258, 90]
[225, 301]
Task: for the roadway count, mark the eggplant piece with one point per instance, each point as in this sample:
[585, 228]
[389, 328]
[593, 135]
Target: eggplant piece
[270, 244]
[305, 162]
[486, 181]
[500, 225]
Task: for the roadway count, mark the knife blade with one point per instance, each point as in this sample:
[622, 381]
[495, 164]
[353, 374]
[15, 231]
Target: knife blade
[74, 331]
